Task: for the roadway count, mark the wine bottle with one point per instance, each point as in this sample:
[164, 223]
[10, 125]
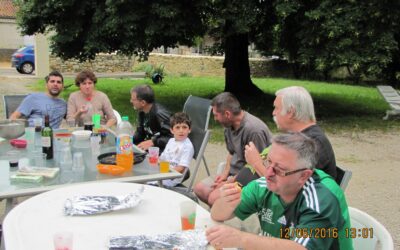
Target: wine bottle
[47, 138]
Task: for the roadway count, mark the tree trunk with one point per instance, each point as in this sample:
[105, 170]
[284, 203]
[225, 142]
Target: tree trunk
[237, 68]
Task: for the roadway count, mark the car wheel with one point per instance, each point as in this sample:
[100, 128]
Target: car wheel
[27, 68]
[19, 70]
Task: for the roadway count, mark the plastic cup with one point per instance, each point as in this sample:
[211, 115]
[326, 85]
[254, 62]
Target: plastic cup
[188, 214]
[63, 241]
[103, 135]
[39, 158]
[77, 162]
[164, 166]
[65, 158]
[30, 137]
[153, 155]
[78, 166]
[71, 123]
[13, 157]
[38, 122]
[96, 120]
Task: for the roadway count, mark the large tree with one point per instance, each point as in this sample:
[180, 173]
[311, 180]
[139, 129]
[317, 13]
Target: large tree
[320, 36]
[314, 36]
[81, 29]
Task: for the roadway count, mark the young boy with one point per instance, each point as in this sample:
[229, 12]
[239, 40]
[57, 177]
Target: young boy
[179, 150]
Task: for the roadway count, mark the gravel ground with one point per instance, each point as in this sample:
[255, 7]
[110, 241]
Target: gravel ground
[372, 157]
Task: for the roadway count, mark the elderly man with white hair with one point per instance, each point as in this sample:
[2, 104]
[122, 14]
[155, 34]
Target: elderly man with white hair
[294, 112]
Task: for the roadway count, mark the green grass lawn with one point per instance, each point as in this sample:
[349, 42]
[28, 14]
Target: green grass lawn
[339, 107]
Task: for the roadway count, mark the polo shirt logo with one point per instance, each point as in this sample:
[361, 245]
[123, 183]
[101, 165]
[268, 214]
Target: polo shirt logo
[282, 220]
[266, 215]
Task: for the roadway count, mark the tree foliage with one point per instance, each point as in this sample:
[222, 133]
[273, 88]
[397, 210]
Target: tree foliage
[316, 37]
[319, 36]
[84, 28]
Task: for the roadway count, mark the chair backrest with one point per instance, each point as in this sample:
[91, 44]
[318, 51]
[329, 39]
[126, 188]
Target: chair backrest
[363, 221]
[118, 116]
[343, 177]
[11, 103]
[199, 111]
[199, 139]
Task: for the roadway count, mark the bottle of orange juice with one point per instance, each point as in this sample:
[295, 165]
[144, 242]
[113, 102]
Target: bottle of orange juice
[124, 144]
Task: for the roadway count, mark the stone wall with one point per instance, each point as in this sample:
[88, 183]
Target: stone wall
[212, 65]
[177, 65]
[104, 63]
[5, 55]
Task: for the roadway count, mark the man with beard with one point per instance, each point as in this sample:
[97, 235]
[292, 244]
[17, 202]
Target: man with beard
[153, 127]
[37, 105]
[241, 128]
[294, 112]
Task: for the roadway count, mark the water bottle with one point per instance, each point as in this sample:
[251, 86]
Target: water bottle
[124, 144]
[95, 145]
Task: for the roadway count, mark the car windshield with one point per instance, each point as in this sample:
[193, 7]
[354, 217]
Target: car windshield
[21, 49]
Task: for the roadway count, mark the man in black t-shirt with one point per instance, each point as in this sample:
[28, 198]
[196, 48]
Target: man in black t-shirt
[153, 127]
[294, 112]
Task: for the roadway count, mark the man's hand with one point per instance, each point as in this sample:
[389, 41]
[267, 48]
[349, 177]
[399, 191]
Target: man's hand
[221, 236]
[253, 157]
[145, 144]
[219, 179]
[230, 194]
[16, 115]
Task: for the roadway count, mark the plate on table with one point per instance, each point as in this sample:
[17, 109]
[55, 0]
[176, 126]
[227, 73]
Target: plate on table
[110, 158]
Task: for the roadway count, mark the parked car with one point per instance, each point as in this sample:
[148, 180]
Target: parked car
[23, 60]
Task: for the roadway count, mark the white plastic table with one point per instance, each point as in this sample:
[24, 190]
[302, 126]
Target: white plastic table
[32, 224]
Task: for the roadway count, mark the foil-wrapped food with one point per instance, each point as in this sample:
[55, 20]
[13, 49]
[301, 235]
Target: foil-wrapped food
[88, 205]
[190, 239]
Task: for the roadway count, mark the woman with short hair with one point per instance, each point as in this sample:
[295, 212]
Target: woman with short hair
[88, 101]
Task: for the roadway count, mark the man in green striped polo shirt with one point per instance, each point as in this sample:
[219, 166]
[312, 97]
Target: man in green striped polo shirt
[298, 207]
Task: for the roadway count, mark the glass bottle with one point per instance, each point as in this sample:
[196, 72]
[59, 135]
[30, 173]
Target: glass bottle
[47, 138]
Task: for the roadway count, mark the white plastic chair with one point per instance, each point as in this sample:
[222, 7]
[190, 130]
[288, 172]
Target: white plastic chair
[360, 220]
[118, 116]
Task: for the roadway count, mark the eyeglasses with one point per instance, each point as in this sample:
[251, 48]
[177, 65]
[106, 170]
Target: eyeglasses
[278, 171]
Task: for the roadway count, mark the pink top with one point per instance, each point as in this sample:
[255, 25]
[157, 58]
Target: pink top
[100, 104]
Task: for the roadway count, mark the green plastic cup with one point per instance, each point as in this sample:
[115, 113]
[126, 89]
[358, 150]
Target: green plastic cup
[96, 120]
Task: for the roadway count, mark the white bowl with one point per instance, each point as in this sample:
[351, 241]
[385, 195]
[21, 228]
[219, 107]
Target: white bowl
[82, 135]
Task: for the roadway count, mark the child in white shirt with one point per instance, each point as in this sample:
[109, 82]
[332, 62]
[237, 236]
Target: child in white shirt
[179, 150]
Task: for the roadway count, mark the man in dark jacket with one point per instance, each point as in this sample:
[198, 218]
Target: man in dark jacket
[153, 127]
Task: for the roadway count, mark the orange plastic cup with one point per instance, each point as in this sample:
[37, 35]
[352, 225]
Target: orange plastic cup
[164, 166]
[188, 215]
